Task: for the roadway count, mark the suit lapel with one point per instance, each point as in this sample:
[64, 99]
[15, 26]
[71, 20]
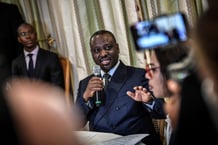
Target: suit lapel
[114, 86]
[23, 65]
[116, 83]
[39, 61]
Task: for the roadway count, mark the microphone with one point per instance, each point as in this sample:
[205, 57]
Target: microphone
[98, 94]
[97, 70]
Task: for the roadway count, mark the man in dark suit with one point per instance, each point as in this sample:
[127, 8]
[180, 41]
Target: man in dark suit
[9, 47]
[118, 113]
[45, 64]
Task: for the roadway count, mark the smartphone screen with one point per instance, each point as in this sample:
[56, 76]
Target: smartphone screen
[162, 31]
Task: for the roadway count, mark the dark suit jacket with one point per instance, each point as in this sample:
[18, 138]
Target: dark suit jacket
[48, 67]
[120, 113]
[10, 18]
[195, 123]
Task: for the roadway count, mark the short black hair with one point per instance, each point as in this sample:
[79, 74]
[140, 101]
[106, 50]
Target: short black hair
[24, 24]
[100, 32]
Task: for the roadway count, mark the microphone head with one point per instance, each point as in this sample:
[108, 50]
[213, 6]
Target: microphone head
[97, 70]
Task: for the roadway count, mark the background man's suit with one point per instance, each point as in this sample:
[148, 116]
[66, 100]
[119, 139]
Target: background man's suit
[48, 67]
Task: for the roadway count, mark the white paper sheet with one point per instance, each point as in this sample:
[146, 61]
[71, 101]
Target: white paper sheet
[101, 138]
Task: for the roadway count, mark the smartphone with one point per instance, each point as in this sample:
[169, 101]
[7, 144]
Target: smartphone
[162, 31]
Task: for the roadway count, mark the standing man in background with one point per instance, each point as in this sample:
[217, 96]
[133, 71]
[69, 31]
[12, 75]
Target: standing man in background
[36, 62]
[9, 47]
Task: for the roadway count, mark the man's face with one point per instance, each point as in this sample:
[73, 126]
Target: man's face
[27, 37]
[105, 51]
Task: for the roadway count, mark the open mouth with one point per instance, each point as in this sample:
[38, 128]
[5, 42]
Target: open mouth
[150, 88]
[105, 62]
[29, 42]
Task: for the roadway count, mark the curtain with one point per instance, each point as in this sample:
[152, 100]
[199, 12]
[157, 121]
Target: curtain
[70, 23]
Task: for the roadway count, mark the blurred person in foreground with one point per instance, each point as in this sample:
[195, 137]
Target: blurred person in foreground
[198, 112]
[157, 74]
[38, 114]
[45, 64]
[118, 114]
[207, 55]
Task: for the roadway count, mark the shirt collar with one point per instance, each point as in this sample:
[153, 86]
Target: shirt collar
[111, 71]
[34, 51]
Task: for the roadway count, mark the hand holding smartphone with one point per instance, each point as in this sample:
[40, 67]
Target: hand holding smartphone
[162, 31]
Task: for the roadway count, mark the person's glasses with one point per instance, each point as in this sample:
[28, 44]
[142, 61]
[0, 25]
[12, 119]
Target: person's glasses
[23, 34]
[150, 70]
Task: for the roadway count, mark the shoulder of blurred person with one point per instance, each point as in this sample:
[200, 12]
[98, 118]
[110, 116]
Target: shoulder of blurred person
[7, 126]
[40, 113]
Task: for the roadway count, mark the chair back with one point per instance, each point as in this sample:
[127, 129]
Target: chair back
[160, 125]
[66, 66]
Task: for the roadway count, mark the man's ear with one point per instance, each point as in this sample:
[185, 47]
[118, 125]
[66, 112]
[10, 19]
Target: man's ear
[118, 48]
[18, 38]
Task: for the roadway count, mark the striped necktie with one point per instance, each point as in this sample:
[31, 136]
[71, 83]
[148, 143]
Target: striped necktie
[106, 78]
